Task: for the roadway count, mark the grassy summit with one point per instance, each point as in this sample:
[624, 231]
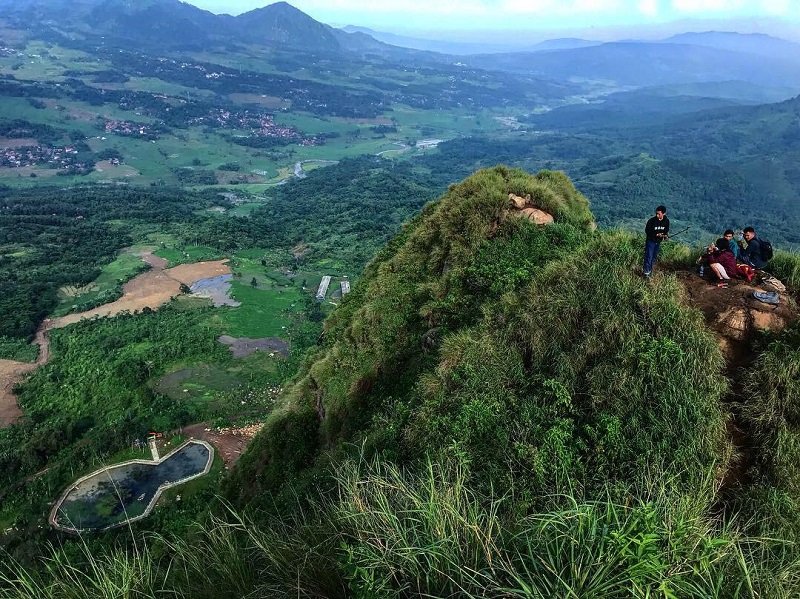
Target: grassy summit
[533, 352]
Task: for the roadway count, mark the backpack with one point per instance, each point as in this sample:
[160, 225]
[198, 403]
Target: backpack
[746, 272]
[766, 250]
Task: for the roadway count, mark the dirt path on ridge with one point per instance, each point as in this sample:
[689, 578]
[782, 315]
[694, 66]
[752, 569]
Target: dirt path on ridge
[150, 289]
[734, 316]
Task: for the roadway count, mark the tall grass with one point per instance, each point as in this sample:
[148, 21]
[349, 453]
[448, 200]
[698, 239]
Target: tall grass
[786, 266]
[388, 532]
[114, 574]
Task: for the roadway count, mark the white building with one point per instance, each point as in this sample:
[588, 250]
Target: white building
[323, 287]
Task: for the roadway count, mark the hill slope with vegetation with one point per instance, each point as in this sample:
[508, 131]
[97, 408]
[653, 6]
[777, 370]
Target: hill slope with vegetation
[506, 409]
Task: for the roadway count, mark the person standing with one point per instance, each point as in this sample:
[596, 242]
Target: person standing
[656, 230]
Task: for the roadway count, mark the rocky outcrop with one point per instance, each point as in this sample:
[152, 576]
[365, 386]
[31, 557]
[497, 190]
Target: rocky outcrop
[524, 208]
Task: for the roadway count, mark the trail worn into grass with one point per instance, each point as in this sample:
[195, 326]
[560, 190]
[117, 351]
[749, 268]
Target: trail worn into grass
[734, 316]
[150, 289]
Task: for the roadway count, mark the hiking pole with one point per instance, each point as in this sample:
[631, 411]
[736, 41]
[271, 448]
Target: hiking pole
[678, 233]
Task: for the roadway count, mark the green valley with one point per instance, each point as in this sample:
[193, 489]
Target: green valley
[387, 308]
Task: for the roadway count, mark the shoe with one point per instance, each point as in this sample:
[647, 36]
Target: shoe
[722, 284]
[647, 274]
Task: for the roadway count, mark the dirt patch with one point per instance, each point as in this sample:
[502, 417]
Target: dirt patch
[230, 442]
[189, 274]
[10, 374]
[242, 346]
[733, 314]
[17, 142]
[151, 289]
[156, 262]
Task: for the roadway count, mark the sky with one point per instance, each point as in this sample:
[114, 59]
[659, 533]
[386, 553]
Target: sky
[464, 15]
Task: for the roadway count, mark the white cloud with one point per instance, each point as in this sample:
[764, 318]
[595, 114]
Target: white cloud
[468, 7]
[649, 8]
[708, 6]
[777, 7]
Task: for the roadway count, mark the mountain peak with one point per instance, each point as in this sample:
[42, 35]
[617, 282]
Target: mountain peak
[287, 25]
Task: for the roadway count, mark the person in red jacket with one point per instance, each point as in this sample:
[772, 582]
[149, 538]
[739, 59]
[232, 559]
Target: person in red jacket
[723, 262]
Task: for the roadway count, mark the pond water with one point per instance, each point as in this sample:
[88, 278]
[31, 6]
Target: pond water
[121, 493]
[217, 289]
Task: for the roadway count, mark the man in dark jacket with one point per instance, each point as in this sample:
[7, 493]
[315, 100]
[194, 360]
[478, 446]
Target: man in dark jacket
[753, 253]
[657, 230]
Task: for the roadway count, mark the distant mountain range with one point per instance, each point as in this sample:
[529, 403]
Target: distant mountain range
[468, 48]
[175, 24]
[688, 58]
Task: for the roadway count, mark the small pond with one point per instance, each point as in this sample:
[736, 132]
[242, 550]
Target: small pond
[119, 494]
[217, 289]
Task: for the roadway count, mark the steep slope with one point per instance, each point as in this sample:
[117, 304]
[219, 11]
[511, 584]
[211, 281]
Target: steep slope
[532, 351]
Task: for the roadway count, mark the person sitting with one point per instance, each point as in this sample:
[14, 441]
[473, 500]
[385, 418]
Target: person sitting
[722, 262]
[728, 234]
[753, 253]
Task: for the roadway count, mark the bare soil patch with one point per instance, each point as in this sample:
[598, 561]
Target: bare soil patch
[230, 442]
[157, 262]
[151, 289]
[734, 315]
[189, 274]
[242, 346]
[10, 374]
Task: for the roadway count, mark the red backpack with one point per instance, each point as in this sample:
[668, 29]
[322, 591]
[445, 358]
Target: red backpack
[746, 272]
